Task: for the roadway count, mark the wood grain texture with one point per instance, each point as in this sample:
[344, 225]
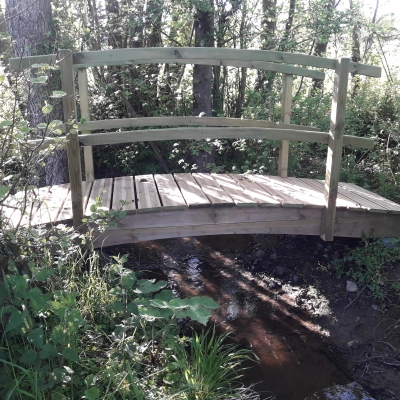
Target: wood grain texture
[285, 118]
[85, 114]
[147, 194]
[191, 191]
[102, 190]
[213, 191]
[170, 195]
[335, 145]
[66, 212]
[73, 148]
[124, 194]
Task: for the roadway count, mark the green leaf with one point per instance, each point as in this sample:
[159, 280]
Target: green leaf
[17, 319]
[42, 125]
[166, 295]
[58, 94]
[70, 354]
[203, 301]
[36, 337]
[149, 312]
[128, 280]
[48, 351]
[18, 283]
[200, 314]
[59, 335]
[159, 303]
[38, 300]
[176, 304]
[44, 274]
[4, 190]
[30, 358]
[5, 123]
[55, 123]
[148, 286]
[93, 393]
[132, 308]
[47, 109]
[74, 321]
[116, 306]
[40, 79]
[58, 396]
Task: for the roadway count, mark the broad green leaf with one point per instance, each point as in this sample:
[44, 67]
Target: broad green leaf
[171, 378]
[70, 354]
[17, 283]
[30, 357]
[42, 125]
[58, 94]
[58, 308]
[3, 293]
[116, 306]
[5, 123]
[74, 321]
[199, 314]
[166, 295]
[132, 308]
[40, 79]
[4, 190]
[93, 393]
[147, 286]
[58, 396]
[56, 376]
[176, 304]
[128, 280]
[38, 300]
[55, 123]
[166, 313]
[203, 301]
[47, 109]
[159, 303]
[44, 274]
[36, 337]
[48, 351]
[150, 311]
[17, 319]
[59, 335]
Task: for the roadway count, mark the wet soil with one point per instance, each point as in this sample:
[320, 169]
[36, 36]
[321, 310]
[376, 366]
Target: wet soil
[279, 296]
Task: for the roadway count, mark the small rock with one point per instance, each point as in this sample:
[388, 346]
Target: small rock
[352, 343]
[260, 253]
[351, 287]
[296, 279]
[375, 307]
[279, 270]
[273, 256]
[352, 391]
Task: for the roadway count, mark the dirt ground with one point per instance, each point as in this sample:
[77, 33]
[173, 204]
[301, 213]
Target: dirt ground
[279, 296]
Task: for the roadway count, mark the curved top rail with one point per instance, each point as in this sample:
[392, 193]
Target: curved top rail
[260, 59]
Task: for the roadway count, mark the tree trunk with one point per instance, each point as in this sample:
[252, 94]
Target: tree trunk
[202, 78]
[355, 45]
[29, 27]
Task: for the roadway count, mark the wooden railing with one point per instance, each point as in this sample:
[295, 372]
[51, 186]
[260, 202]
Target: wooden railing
[288, 64]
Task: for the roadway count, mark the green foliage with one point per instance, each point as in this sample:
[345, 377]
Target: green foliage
[368, 265]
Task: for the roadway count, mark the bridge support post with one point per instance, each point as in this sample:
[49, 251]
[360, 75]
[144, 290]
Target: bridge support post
[334, 157]
[73, 148]
[286, 113]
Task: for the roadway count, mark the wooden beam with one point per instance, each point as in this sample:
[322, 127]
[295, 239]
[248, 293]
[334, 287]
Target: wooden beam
[16, 64]
[285, 118]
[73, 148]
[335, 147]
[85, 114]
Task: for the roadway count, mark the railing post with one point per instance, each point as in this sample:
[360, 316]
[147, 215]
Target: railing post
[85, 114]
[286, 113]
[335, 147]
[73, 148]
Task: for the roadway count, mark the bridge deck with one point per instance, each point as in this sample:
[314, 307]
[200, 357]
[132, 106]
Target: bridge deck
[160, 206]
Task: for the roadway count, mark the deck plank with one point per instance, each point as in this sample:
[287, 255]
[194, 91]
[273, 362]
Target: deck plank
[52, 205]
[389, 205]
[273, 188]
[124, 194]
[191, 191]
[252, 189]
[66, 212]
[102, 188]
[234, 190]
[147, 195]
[29, 217]
[171, 196]
[213, 190]
[311, 194]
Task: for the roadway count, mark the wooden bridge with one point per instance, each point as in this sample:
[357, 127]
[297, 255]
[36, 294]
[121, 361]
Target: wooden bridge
[166, 205]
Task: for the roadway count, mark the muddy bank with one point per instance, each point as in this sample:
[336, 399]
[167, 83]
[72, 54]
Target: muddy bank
[278, 298]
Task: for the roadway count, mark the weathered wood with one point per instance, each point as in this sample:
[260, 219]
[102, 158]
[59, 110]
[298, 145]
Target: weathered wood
[73, 148]
[101, 190]
[213, 191]
[335, 147]
[191, 191]
[147, 195]
[124, 194]
[285, 118]
[126, 56]
[234, 191]
[176, 121]
[20, 63]
[66, 212]
[171, 196]
[85, 114]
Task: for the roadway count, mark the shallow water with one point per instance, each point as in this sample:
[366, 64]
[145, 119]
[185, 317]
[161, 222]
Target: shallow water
[295, 359]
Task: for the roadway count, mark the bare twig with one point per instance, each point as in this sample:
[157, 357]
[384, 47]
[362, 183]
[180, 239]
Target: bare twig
[355, 298]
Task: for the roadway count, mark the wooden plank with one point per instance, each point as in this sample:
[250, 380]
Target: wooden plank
[124, 194]
[171, 196]
[214, 192]
[73, 148]
[52, 205]
[263, 198]
[335, 145]
[102, 189]
[147, 195]
[175, 121]
[275, 190]
[191, 191]
[316, 196]
[377, 199]
[66, 212]
[234, 191]
[85, 114]
[16, 64]
[126, 56]
[38, 197]
[341, 201]
[285, 118]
